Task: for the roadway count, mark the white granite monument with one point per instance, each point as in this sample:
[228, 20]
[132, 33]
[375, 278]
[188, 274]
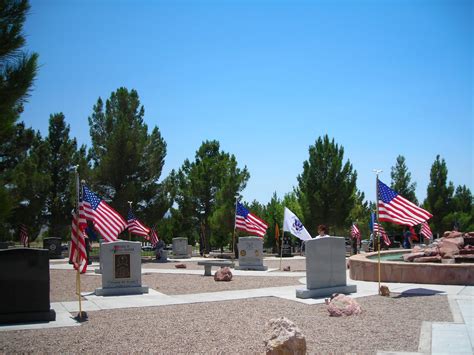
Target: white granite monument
[121, 269]
[325, 268]
[250, 254]
[180, 248]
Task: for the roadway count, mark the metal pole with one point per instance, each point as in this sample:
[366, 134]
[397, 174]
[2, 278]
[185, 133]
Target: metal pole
[233, 233]
[129, 234]
[377, 172]
[78, 273]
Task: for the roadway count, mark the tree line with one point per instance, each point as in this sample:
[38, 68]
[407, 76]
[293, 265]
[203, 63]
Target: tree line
[197, 201]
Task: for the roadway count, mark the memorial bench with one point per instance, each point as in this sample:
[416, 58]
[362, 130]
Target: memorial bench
[208, 264]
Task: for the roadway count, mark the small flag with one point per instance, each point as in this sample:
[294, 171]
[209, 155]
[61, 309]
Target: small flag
[154, 238]
[106, 220]
[292, 224]
[397, 209]
[277, 233]
[425, 230]
[23, 235]
[355, 233]
[378, 229]
[135, 226]
[78, 253]
[244, 220]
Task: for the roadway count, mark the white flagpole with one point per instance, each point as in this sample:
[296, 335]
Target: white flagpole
[377, 172]
[281, 239]
[82, 315]
[233, 233]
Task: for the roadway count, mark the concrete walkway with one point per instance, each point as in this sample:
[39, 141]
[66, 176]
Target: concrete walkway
[435, 338]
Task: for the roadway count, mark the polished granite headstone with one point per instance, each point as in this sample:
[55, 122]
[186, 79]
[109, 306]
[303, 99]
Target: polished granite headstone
[325, 268]
[53, 245]
[251, 254]
[121, 269]
[24, 281]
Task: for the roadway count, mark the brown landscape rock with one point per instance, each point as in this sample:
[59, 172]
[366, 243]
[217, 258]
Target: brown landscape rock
[180, 266]
[453, 234]
[447, 249]
[287, 268]
[428, 259]
[459, 241]
[411, 256]
[223, 274]
[471, 234]
[284, 337]
[384, 291]
[342, 305]
[431, 251]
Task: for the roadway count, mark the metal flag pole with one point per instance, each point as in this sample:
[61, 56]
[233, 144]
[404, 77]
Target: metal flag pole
[81, 315]
[377, 172]
[129, 234]
[233, 233]
[281, 240]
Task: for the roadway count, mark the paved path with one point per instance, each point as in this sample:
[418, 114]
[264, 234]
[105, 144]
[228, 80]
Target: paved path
[435, 338]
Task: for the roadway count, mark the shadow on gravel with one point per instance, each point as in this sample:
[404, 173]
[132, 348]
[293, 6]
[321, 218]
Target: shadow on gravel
[416, 292]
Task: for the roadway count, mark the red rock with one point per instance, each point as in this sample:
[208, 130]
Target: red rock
[447, 249]
[453, 235]
[466, 251]
[284, 337]
[416, 249]
[431, 251]
[411, 256]
[428, 259]
[342, 305]
[180, 266]
[287, 268]
[223, 274]
[445, 234]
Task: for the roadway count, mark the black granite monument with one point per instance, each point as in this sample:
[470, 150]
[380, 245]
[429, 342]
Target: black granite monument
[24, 280]
[53, 245]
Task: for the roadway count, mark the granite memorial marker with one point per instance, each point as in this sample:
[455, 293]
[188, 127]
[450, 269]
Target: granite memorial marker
[121, 269]
[24, 280]
[325, 268]
[180, 248]
[251, 254]
[53, 245]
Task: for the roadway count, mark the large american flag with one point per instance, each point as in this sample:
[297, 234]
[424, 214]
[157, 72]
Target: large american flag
[397, 209]
[246, 221]
[78, 253]
[425, 230]
[135, 226]
[108, 222]
[23, 235]
[355, 233]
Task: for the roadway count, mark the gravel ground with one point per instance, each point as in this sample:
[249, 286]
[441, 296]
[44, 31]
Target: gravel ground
[386, 323]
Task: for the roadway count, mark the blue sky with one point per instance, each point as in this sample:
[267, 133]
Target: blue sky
[267, 78]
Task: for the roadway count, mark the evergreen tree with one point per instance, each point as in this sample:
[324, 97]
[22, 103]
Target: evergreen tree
[401, 180]
[462, 212]
[360, 214]
[17, 68]
[207, 188]
[462, 201]
[439, 196]
[274, 215]
[127, 161]
[326, 188]
[62, 157]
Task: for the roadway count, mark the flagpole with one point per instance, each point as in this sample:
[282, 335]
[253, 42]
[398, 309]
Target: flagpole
[377, 172]
[281, 240]
[233, 233]
[81, 315]
[129, 234]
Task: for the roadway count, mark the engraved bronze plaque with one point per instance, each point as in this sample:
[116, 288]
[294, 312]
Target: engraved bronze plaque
[122, 266]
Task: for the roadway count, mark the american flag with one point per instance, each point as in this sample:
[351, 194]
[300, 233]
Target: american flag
[154, 237]
[135, 226]
[246, 221]
[397, 209]
[78, 254]
[378, 229]
[23, 235]
[355, 233]
[106, 220]
[425, 230]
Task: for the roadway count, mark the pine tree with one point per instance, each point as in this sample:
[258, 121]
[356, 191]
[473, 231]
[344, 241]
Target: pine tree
[401, 180]
[326, 188]
[439, 196]
[127, 161]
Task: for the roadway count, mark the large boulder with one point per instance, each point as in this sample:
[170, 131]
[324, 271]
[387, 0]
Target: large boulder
[223, 274]
[342, 305]
[453, 234]
[428, 259]
[447, 249]
[411, 256]
[431, 251]
[283, 337]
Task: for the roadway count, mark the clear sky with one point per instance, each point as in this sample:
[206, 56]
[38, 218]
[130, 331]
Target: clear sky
[267, 78]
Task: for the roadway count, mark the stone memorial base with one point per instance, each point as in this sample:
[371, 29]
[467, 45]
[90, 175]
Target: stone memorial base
[120, 291]
[252, 267]
[27, 317]
[163, 257]
[180, 256]
[325, 292]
